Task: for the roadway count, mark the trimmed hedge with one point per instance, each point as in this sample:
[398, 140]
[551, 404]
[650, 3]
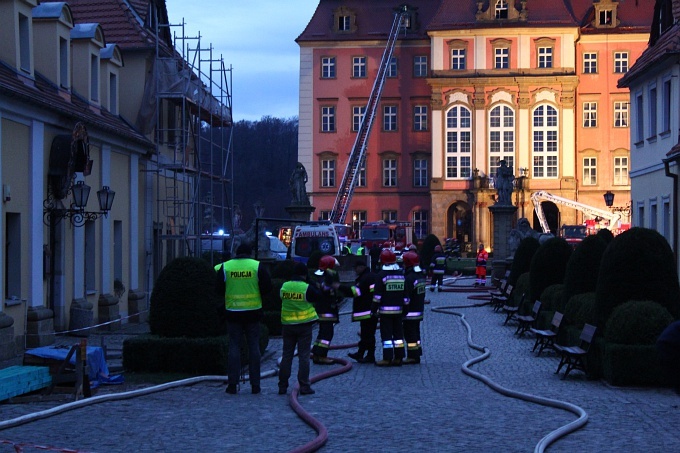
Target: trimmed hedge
[548, 265]
[637, 323]
[583, 267]
[632, 365]
[580, 310]
[552, 297]
[521, 262]
[427, 250]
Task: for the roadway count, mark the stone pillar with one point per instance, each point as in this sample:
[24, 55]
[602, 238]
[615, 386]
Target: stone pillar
[109, 311]
[8, 345]
[138, 306]
[81, 317]
[503, 214]
[39, 327]
[300, 212]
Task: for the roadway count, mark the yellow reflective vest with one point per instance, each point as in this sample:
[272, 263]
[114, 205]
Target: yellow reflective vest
[295, 308]
[242, 290]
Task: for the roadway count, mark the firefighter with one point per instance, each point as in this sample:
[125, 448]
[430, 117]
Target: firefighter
[438, 268]
[388, 303]
[482, 256]
[327, 308]
[415, 287]
[361, 312]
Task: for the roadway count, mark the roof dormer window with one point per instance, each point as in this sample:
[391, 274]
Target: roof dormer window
[344, 20]
[605, 14]
[501, 9]
[344, 23]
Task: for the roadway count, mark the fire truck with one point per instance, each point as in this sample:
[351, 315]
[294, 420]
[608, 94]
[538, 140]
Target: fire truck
[396, 234]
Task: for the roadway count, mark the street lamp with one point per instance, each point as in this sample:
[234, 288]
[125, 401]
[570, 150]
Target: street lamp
[54, 209]
[609, 202]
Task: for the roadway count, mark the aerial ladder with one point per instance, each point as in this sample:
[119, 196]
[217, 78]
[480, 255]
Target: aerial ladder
[358, 154]
[541, 195]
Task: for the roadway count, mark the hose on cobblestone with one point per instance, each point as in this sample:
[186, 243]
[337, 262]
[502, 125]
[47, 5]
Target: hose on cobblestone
[550, 437]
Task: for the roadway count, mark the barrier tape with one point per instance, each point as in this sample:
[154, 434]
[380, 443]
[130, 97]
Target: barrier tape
[19, 447]
[66, 332]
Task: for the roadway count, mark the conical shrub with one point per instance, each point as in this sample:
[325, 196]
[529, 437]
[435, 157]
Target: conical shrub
[583, 267]
[521, 262]
[548, 266]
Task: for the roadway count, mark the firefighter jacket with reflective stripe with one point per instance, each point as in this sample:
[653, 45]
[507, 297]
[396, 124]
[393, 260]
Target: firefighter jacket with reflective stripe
[296, 308]
[416, 286]
[482, 256]
[327, 306]
[361, 305]
[389, 296]
[242, 292]
[438, 264]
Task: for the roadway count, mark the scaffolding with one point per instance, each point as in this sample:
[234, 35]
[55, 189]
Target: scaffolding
[193, 136]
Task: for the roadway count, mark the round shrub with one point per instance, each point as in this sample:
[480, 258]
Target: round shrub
[580, 310]
[427, 250]
[548, 265]
[606, 235]
[521, 288]
[552, 297]
[521, 262]
[637, 265]
[583, 267]
[183, 302]
[637, 322]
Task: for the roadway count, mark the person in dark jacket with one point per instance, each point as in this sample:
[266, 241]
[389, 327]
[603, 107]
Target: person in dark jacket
[361, 312]
[415, 287]
[327, 309]
[242, 281]
[388, 303]
[438, 268]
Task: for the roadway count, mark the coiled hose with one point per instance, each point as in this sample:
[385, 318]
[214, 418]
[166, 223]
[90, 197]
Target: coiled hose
[552, 436]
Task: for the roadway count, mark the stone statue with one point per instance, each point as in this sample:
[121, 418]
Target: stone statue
[522, 231]
[503, 183]
[297, 183]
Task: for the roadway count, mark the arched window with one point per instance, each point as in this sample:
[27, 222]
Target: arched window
[545, 142]
[458, 143]
[501, 137]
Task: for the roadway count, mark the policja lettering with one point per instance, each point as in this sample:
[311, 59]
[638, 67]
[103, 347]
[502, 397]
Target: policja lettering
[292, 296]
[241, 274]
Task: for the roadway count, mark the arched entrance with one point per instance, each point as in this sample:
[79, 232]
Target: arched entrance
[459, 222]
[552, 216]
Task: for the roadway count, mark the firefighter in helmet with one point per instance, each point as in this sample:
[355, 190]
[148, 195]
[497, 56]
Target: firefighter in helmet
[388, 303]
[438, 268]
[415, 287]
[326, 308]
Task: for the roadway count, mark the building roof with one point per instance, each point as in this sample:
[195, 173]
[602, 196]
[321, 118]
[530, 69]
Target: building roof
[123, 21]
[668, 45]
[45, 95]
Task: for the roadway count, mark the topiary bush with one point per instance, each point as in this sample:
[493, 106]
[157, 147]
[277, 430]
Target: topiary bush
[552, 297]
[606, 235]
[580, 310]
[520, 288]
[583, 267]
[637, 323]
[637, 265]
[521, 262]
[548, 265]
[427, 250]
[183, 302]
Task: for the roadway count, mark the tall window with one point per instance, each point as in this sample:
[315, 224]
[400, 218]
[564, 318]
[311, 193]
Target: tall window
[390, 118]
[501, 137]
[545, 150]
[458, 143]
[589, 63]
[420, 66]
[458, 59]
[90, 258]
[113, 93]
[328, 67]
[392, 68]
[24, 43]
[639, 120]
[590, 114]
[620, 114]
[63, 63]
[621, 171]
[652, 112]
[328, 173]
[390, 172]
[620, 62]
[590, 171]
[419, 172]
[420, 118]
[358, 113]
[344, 23]
[94, 78]
[325, 215]
[328, 119]
[420, 224]
[389, 216]
[13, 256]
[545, 57]
[358, 67]
[361, 175]
[667, 105]
[358, 220]
[502, 58]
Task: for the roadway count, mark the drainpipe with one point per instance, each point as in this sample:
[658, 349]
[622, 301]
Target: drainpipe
[674, 211]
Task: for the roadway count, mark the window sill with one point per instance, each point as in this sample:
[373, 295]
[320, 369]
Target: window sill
[13, 301]
[665, 134]
[639, 144]
[651, 139]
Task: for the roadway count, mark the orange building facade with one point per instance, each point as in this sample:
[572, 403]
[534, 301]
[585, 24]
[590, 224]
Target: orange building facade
[472, 83]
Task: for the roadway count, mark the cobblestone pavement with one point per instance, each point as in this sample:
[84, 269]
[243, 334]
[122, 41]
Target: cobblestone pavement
[430, 407]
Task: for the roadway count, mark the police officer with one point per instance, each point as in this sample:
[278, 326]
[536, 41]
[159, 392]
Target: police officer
[361, 312]
[327, 309]
[297, 321]
[388, 303]
[242, 281]
[438, 268]
[415, 286]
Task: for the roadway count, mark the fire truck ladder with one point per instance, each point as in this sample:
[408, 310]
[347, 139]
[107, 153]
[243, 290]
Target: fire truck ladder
[356, 158]
[540, 196]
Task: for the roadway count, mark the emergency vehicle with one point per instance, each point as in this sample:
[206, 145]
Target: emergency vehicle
[396, 234]
[311, 237]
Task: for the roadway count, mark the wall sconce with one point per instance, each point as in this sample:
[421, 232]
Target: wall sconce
[609, 202]
[54, 209]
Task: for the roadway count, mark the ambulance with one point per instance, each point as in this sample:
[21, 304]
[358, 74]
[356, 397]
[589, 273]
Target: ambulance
[311, 237]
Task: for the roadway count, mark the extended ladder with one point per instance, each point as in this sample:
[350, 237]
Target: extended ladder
[356, 158]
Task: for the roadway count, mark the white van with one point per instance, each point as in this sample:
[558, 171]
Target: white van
[312, 237]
